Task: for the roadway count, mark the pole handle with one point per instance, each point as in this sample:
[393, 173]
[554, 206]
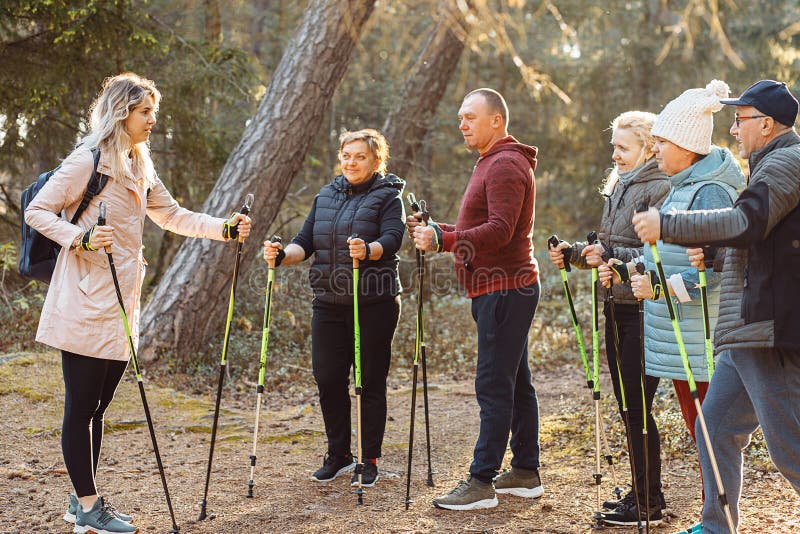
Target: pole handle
[247, 204]
[641, 208]
[274, 239]
[553, 242]
[412, 201]
[355, 260]
[101, 219]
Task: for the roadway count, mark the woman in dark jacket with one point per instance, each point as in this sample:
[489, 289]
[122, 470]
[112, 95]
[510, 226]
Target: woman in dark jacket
[634, 179]
[364, 202]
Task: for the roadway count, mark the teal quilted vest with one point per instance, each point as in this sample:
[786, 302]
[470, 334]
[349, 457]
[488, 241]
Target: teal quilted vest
[662, 357]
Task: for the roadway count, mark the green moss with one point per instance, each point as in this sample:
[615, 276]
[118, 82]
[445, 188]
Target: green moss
[299, 436]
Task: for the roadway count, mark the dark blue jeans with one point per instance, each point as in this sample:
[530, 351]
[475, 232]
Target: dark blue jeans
[503, 384]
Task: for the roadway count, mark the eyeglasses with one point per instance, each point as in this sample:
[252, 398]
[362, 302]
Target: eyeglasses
[739, 119]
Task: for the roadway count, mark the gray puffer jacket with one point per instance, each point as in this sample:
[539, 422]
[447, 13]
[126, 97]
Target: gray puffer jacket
[761, 277]
[645, 184]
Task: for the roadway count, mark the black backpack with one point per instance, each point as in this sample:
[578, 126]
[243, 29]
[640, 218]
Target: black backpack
[37, 254]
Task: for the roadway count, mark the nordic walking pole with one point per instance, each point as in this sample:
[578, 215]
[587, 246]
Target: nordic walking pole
[357, 373]
[248, 202]
[262, 364]
[598, 477]
[723, 499]
[640, 270]
[608, 456]
[423, 206]
[553, 241]
[625, 415]
[701, 272]
[419, 350]
[101, 221]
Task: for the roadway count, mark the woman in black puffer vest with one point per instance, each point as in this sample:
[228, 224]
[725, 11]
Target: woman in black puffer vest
[366, 202]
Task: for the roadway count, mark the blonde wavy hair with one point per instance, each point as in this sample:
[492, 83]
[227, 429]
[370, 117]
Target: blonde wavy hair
[639, 123]
[107, 115]
[375, 140]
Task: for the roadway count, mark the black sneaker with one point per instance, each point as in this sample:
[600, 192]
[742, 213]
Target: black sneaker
[612, 505]
[368, 477]
[333, 465]
[628, 499]
[625, 514]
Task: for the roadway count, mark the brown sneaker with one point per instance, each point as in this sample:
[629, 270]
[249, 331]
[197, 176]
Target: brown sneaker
[520, 482]
[468, 495]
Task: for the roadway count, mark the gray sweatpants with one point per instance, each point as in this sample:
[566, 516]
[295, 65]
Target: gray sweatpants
[750, 387]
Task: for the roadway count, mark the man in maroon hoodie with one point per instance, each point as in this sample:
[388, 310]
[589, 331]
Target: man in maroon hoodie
[491, 242]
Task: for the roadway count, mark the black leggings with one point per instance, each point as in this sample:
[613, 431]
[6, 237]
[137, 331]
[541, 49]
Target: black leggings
[332, 359]
[627, 318]
[89, 385]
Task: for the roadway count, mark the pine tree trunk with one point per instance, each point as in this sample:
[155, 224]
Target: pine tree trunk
[188, 306]
[407, 126]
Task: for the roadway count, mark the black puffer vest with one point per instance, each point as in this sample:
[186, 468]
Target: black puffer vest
[341, 211]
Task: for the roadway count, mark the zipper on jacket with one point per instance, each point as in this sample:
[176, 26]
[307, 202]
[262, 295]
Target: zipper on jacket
[349, 193]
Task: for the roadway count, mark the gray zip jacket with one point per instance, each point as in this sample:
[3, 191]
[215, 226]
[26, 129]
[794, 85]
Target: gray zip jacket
[645, 184]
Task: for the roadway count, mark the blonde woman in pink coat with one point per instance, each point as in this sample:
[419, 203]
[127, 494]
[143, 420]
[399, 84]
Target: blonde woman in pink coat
[81, 312]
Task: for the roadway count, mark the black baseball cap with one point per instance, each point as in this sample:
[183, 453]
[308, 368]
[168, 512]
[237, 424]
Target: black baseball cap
[770, 98]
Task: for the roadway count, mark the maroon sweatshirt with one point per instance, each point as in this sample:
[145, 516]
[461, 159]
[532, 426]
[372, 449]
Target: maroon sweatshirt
[491, 239]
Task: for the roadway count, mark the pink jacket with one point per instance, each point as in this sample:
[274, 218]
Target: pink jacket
[81, 312]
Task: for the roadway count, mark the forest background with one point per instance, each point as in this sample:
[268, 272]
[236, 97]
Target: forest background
[256, 94]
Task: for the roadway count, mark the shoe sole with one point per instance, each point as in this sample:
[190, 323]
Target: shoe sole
[477, 505]
[612, 508]
[70, 518]
[530, 493]
[653, 522]
[691, 530]
[364, 484]
[341, 471]
[89, 530]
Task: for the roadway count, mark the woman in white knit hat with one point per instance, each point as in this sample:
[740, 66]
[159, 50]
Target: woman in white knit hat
[702, 176]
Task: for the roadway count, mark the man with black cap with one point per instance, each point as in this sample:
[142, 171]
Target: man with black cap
[757, 377]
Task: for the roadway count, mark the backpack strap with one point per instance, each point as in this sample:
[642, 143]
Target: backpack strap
[96, 184]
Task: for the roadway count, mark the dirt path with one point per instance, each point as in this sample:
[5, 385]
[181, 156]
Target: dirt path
[34, 484]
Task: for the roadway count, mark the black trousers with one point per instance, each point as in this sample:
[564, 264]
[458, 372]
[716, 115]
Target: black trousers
[627, 321]
[332, 355]
[89, 385]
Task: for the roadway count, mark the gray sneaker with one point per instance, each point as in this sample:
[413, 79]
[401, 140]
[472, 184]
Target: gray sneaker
[520, 482]
[71, 514]
[101, 519]
[468, 495]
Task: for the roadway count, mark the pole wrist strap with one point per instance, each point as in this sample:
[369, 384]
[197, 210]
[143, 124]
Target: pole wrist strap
[280, 257]
[437, 236]
[622, 271]
[655, 284]
[230, 231]
[87, 238]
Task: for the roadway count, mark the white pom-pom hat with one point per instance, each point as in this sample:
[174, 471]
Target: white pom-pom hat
[688, 120]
